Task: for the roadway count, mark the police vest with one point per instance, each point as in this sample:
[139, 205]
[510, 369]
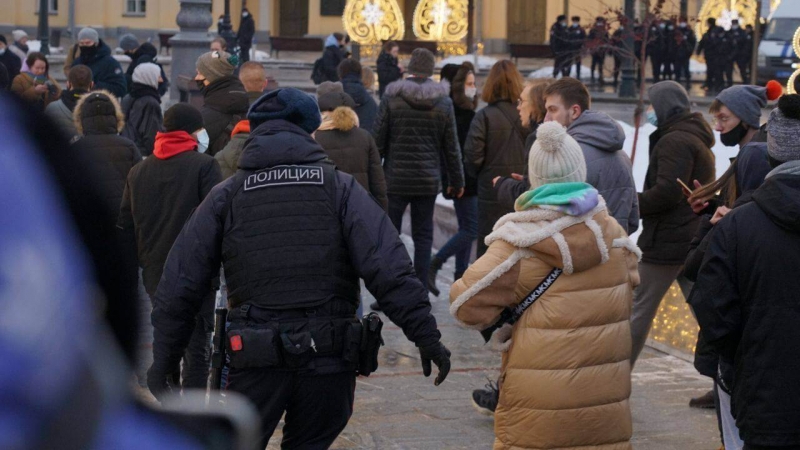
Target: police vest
[283, 246]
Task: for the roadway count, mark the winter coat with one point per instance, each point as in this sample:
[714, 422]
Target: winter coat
[247, 29]
[146, 53]
[228, 157]
[495, 147]
[679, 149]
[331, 57]
[464, 109]
[142, 108]
[12, 62]
[577, 37]
[226, 103]
[113, 156]
[354, 152]
[21, 53]
[366, 108]
[62, 113]
[508, 189]
[415, 132]
[388, 71]
[745, 301]
[566, 376]
[608, 167]
[559, 39]
[106, 72]
[160, 194]
[23, 85]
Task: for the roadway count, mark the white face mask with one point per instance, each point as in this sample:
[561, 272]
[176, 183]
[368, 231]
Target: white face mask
[202, 141]
[245, 14]
[470, 92]
[2, 51]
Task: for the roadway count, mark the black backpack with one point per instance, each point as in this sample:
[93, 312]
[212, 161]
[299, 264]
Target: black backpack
[318, 73]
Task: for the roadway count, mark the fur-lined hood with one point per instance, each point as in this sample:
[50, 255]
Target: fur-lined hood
[102, 120]
[342, 118]
[419, 93]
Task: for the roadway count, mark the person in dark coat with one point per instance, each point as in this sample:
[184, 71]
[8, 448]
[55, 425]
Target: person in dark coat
[495, 143]
[685, 43]
[293, 252]
[747, 316]
[617, 49]
[142, 108]
[350, 147]
[577, 39]
[416, 135]
[389, 68]
[10, 60]
[559, 45]
[679, 149]
[741, 45]
[598, 43]
[99, 120]
[657, 48]
[244, 37]
[714, 45]
[79, 82]
[332, 56]
[350, 73]
[225, 100]
[106, 70]
[670, 51]
[4, 81]
[160, 195]
[140, 54]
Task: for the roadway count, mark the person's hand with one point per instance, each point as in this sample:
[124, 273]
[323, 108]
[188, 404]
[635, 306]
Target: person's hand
[40, 88]
[440, 356]
[721, 212]
[451, 191]
[460, 193]
[495, 180]
[517, 176]
[157, 382]
[400, 66]
[698, 205]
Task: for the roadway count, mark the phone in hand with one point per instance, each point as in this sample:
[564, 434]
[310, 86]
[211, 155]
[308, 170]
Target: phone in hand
[687, 191]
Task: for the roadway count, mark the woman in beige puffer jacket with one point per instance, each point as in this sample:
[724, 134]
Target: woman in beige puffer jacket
[565, 379]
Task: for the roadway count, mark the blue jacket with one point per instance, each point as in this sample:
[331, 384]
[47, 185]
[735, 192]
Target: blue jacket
[106, 71]
[366, 109]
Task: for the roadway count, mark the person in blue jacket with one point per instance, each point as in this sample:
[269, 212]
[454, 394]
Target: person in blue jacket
[106, 71]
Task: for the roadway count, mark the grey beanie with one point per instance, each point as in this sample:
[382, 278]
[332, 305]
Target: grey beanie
[783, 130]
[215, 65]
[327, 87]
[331, 95]
[668, 99]
[147, 74]
[422, 63]
[746, 102]
[128, 42]
[90, 34]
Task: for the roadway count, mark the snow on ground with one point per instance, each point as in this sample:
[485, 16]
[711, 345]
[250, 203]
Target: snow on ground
[484, 62]
[695, 67]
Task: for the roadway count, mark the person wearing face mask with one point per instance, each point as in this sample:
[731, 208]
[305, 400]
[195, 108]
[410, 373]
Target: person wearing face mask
[225, 100]
[244, 37]
[738, 41]
[9, 59]
[577, 39]
[685, 42]
[106, 71]
[657, 48]
[20, 47]
[142, 108]
[670, 50]
[680, 149]
[598, 42]
[160, 194]
[559, 45]
[711, 47]
[36, 85]
[141, 54]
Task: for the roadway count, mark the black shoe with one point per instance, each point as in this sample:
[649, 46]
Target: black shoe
[375, 306]
[436, 265]
[705, 401]
[485, 400]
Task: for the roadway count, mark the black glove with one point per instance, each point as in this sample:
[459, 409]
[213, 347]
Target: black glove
[440, 356]
[159, 381]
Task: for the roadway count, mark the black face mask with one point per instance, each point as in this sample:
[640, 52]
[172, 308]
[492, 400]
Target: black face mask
[88, 52]
[200, 84]
[733, 137]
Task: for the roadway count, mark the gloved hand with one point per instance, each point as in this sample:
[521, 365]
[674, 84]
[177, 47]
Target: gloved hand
[440, 356]
[158, 382]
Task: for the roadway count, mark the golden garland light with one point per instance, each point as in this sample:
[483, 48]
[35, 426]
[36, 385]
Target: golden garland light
[725, 11]
[796, 47]
[369, 22]
[441, 20]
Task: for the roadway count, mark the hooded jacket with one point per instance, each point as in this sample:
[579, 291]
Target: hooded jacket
[388, 71]
[366, 108]
[608, 167]
[332, 55]
[106, 72]
[565, 378]
[415, 132]
[745, 300]
[61, 112]
[495, 146]
[465, 111]
[679, 149]
[142, 107]
[225, 104]
[353, 150]
[146, 53]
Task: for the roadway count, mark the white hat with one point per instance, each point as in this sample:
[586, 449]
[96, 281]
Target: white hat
[555, 157]
[147, 74]
[19, 34]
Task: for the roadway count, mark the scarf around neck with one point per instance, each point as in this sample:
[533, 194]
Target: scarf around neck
[574, 199]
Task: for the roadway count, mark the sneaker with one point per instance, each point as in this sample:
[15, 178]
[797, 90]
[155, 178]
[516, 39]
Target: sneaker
[485, 400]
[375, 306]
[705, 401]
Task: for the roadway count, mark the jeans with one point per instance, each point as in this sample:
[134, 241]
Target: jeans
[422, 208]
[730, 432]
[460, 245]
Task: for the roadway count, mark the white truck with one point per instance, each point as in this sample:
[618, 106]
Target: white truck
[775, 53]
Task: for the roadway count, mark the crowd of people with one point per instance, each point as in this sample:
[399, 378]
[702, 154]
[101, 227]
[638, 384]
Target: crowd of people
[283, 201]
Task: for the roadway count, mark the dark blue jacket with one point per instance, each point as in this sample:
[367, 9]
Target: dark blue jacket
[366, 109]
[106, 71]
[374, 248]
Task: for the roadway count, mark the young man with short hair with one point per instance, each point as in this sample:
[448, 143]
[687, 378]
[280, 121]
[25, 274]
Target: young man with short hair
[79, 82]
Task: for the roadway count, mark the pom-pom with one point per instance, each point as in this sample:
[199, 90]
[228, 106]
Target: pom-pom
[550, 136]
[774, 90]
[790, 106]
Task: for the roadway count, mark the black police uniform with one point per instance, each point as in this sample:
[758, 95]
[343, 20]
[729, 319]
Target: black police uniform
[670, 51]
[618, 45]
[685, 42]
[577, 38]
[598, 39]
[656, 50]
[711, 46]
[294, 236]
[559, 45]
[740, 52]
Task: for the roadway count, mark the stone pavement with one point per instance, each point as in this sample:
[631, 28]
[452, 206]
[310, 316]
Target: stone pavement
[397, 408]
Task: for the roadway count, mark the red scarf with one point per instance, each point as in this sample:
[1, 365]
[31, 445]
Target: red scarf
[242, 127]
[173, 143]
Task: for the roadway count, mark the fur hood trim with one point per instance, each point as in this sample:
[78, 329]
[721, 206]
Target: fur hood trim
[428, 90]
[76, 116]
[344, 118]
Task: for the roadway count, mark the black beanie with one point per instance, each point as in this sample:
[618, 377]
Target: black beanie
[183, 117]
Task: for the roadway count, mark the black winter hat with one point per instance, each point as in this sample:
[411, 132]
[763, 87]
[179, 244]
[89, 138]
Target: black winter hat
[422, 63]
[183, 117]
[290, 104]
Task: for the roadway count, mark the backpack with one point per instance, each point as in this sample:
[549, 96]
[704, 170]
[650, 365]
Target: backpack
[318, 72]
[222, 140]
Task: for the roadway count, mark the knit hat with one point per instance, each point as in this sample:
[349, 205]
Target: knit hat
[331, 95]
[668, 99]
[215, 65]
[147, 74]
[19, 34]
[328, 87]
[288, 104]
[746, 101]
[783, 130]
[555, 157]
[422, 63]
[89, 33]
[128, 42]
[183, 117]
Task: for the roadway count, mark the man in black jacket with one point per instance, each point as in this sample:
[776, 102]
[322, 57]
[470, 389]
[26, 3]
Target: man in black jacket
[416, 134]
[745, 298]
[559, 45]
[9, 59]
[106, 70]
[141, 54]
[160, 194]
[294, 236]
[247, 29]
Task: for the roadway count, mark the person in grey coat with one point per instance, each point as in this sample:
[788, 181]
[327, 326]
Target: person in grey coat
[79, 82]
[601, 138]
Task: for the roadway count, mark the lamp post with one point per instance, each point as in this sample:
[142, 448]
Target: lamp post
[193, 40]
[44, 28]
[226, 29]
[627, 89]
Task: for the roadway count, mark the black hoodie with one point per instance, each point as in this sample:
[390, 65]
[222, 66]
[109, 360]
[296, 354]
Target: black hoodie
[146, 53]
[226, 103]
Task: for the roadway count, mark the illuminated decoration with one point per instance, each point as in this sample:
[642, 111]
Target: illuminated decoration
[441, 20]
[774, 5]
[796, 46]
[674, 324]
[725, 11]
[369, 22]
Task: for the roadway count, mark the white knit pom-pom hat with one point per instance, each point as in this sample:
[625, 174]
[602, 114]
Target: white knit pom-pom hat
[555, 157]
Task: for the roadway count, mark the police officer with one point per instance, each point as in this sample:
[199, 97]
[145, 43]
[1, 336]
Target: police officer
[577, 38]
[638, 39]
[294, 235]
[670, 51]
[618, 49]
[598, 42]
[685, 42]
[747, 56]
[656, 48]
[710, 46]
[559, 45]
[741, 49]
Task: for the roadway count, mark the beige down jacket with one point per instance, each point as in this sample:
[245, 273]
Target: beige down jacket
[566, 375]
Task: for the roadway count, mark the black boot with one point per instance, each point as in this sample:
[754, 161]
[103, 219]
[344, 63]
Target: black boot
[436, 265]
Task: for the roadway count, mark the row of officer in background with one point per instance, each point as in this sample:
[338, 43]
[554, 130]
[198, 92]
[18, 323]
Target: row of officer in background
[724, 49]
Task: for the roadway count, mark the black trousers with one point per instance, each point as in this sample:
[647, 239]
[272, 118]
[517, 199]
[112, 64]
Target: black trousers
[317, 407]
[197, 358]
[744, 70]
[244, 54]
[727, 71]
[682, 70]
[667, 65]
[562, 64]
[597, 62]
[656, 61]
